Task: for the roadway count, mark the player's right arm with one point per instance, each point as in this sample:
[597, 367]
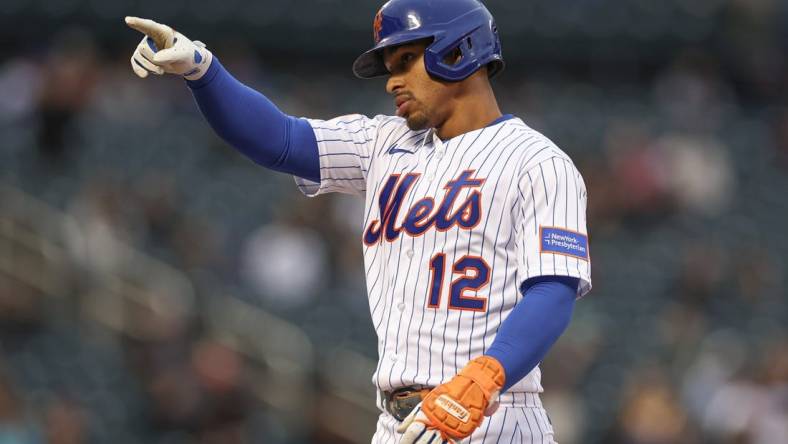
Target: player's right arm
[324, 155]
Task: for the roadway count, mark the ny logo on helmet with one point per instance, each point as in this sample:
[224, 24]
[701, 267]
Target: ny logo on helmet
[378, 25]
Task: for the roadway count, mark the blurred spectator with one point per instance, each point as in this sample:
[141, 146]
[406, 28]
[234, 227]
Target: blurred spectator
[753, 410]
[20, 81]
[70, 76]
[701, 178]
[285, 261]
[652, 414]
[639, 181]
[205, 396]
[100, 226]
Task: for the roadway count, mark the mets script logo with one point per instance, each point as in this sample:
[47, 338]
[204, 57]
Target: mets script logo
[424, 214]
[378, 25]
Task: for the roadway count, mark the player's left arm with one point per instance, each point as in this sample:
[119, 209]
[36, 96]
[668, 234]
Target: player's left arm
[534, 325]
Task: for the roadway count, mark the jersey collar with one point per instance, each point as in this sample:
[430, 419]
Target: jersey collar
[503, 118]
[437, 142]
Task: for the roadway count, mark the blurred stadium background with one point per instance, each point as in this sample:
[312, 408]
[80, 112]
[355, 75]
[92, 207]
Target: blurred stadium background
[157, 287]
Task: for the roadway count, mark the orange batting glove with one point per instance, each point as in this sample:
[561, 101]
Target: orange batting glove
[452, 411]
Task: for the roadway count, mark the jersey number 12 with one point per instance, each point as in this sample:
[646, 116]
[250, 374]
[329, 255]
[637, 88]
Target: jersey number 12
[474, 273]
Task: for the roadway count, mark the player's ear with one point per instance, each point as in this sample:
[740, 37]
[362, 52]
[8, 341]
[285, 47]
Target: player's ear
[454, 57]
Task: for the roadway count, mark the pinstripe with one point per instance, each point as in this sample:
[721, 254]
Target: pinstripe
[479, 173]
[375, 254]
[435, 313]
[410, 318]
[565, 185]
[456, 240]
[535, 219]
[528, 423]
[503, 304]
[538, 424]
[380, 298]
[512, 232]
[386, 307]
[397, 268]
[555, 201]
[393, 166]
[416, 287]
[577, 208]
[548, 427]
[544, 183]
[435, 242]
[487, 429]
[454, 253]
[491, 291]
[533, 156]
[503, 426]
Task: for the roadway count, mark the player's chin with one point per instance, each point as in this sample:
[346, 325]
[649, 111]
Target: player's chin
[417, 121]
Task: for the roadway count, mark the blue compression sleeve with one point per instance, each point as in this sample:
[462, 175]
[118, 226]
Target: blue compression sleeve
[252, 124]
[534, 325]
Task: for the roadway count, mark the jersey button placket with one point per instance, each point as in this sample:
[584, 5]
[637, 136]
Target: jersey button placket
[440, 148]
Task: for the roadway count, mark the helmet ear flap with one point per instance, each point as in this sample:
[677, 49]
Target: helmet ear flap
[456, 58]
[463, 50]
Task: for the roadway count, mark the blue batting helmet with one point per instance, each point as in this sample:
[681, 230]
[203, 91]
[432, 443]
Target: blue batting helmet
[466, 25]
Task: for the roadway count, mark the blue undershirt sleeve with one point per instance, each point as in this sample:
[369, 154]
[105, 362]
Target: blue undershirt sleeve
[253, 125]
[534, 325]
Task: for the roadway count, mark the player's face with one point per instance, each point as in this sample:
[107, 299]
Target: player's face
[424, 102]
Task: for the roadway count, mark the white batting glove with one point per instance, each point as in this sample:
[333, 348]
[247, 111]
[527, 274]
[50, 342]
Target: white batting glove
[414, 429]
[166, 51]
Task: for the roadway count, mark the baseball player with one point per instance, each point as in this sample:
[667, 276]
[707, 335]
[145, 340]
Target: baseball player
[475, 240]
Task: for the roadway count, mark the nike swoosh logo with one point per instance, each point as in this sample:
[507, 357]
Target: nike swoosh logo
[395, 150]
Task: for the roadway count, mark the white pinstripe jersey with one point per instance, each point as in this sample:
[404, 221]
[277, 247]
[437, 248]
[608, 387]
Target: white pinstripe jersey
[451, 230]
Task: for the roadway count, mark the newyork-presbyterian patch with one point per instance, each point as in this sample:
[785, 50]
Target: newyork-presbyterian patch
[562, 241]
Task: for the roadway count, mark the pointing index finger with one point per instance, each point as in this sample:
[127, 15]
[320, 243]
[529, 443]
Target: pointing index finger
[161, 34]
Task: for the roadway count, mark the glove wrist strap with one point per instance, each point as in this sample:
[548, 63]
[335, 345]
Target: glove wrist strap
[487, 373]
[205, 58]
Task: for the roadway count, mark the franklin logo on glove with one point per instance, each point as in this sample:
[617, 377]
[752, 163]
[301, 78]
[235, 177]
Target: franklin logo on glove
[453, 407]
